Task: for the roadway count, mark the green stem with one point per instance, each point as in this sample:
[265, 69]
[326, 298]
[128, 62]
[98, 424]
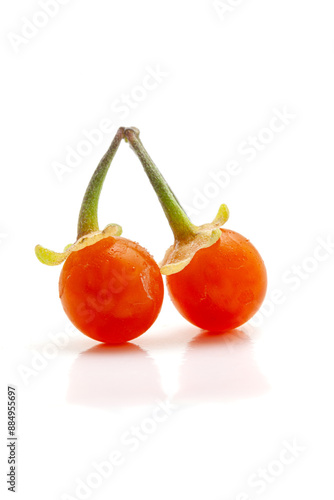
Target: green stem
[178, 220]
[88, 221]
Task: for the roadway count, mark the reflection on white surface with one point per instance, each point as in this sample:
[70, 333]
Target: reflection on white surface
[215, 367]
[114, 376]
[220, 367]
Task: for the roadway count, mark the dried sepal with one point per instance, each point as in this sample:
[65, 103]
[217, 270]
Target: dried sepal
[51, 258]
[180, 254]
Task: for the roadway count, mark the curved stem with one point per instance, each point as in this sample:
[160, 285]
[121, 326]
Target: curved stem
[88, 221]
[178, 220]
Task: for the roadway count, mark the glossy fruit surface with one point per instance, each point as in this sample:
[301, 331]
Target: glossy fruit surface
[112, 291]
[223, 286]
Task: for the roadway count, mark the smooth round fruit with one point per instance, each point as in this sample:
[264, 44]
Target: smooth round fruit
[112, 291]
[223, 286]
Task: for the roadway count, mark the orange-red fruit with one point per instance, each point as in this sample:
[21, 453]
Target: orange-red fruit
[223, 286]
[112, 291]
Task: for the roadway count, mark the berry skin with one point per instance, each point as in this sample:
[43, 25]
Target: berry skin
[223, 286]
[112, 291]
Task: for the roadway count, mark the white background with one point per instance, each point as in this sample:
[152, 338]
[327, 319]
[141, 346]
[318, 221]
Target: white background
[237, 399]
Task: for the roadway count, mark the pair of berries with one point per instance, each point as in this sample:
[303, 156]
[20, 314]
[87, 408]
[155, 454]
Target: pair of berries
[111, 288]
